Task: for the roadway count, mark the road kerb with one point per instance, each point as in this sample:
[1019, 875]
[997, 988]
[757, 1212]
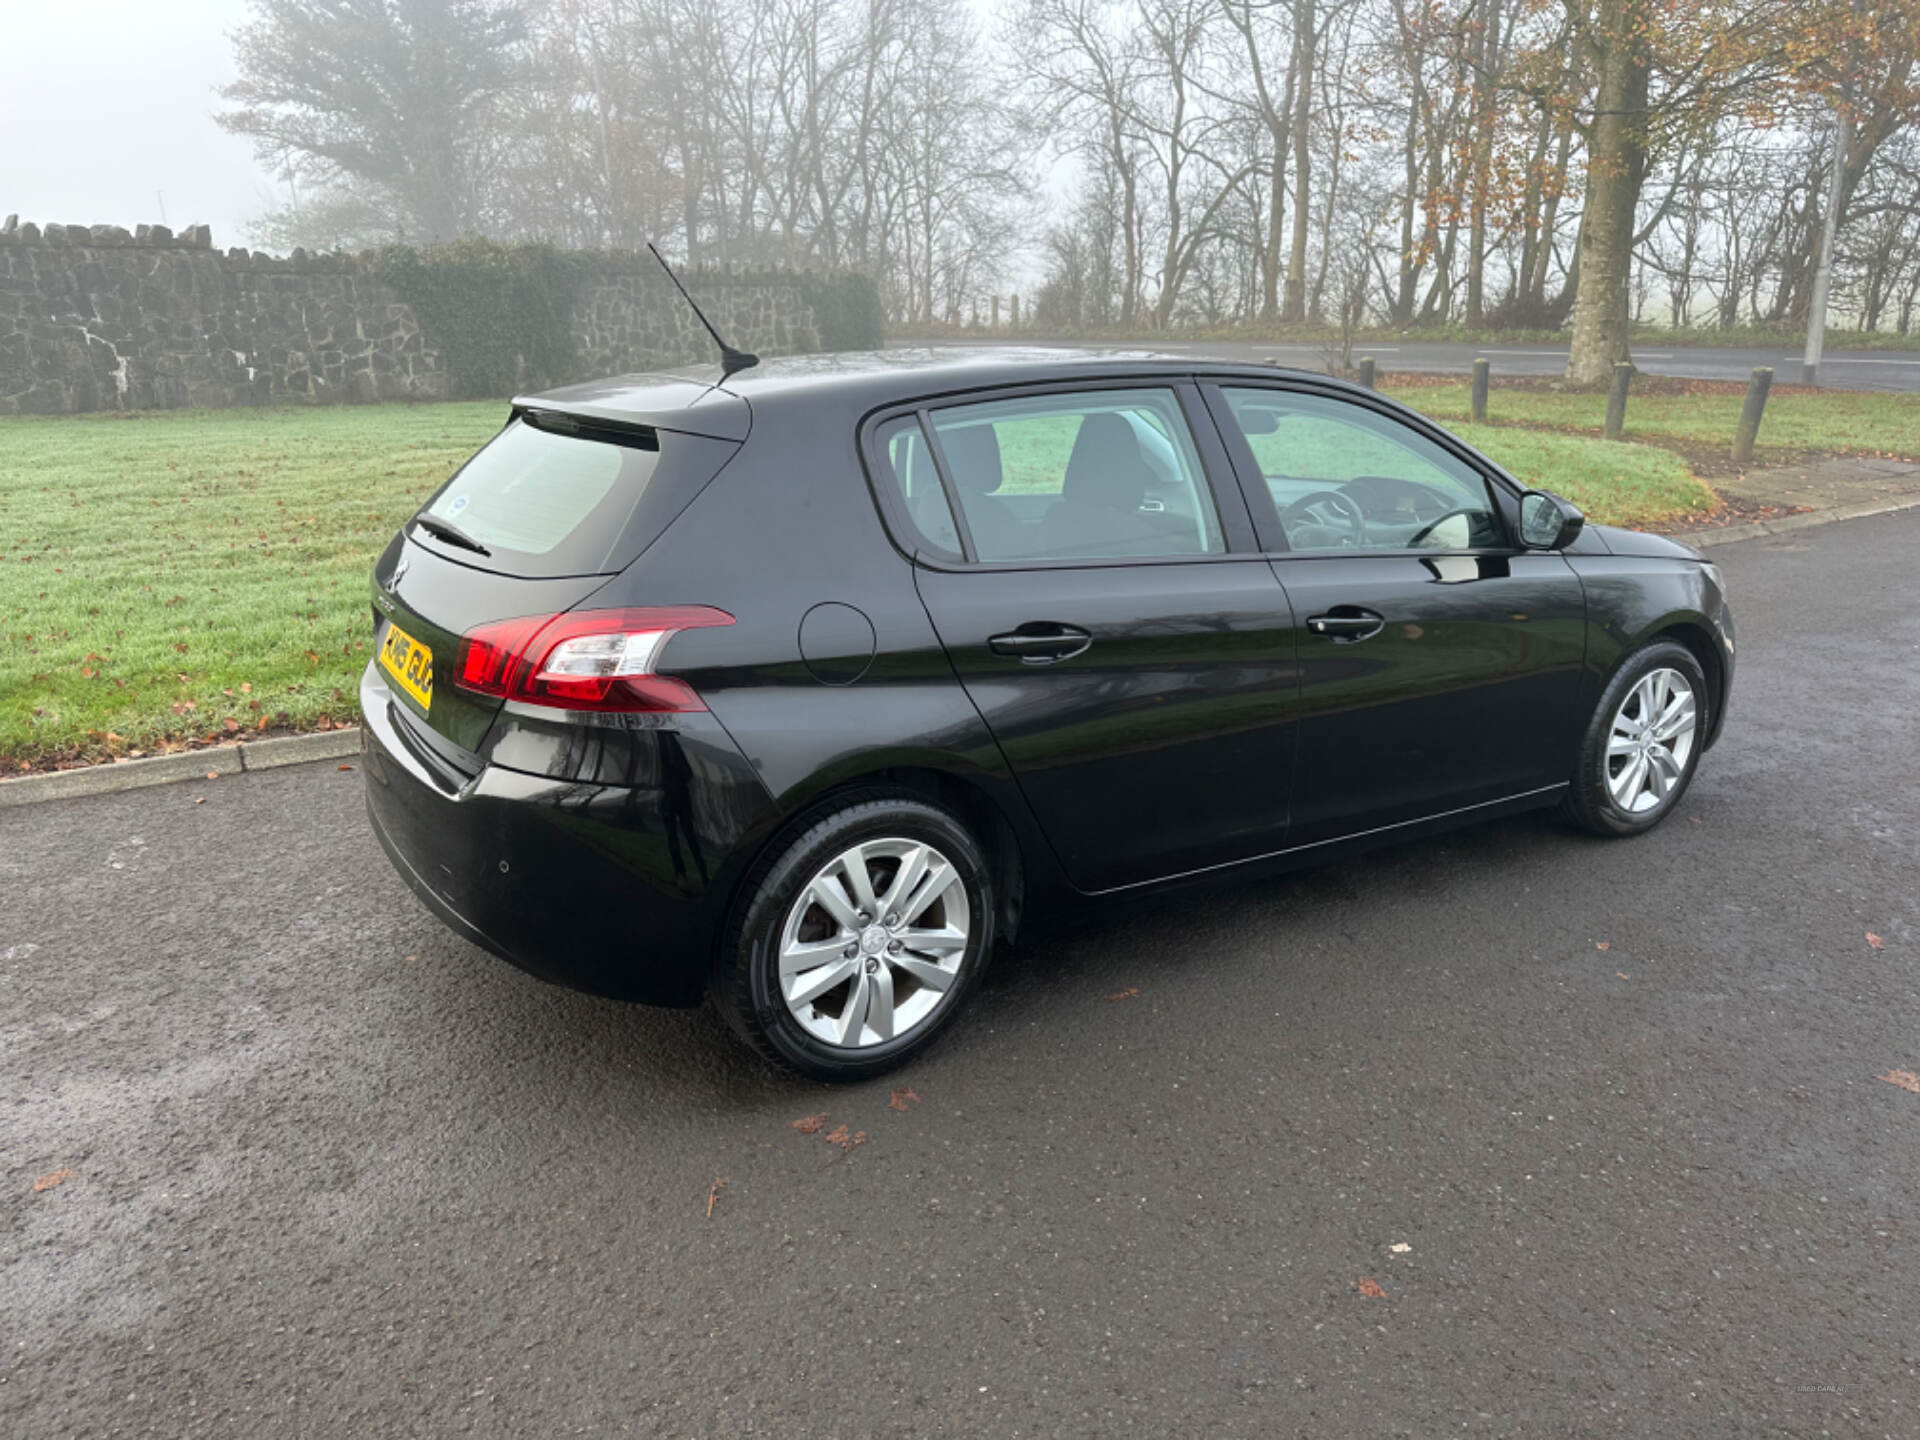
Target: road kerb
[216, 760]
[1787, 524]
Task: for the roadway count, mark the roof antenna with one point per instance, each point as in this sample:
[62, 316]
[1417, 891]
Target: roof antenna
[730, 358]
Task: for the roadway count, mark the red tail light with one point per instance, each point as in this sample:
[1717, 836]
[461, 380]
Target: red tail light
[584, 659]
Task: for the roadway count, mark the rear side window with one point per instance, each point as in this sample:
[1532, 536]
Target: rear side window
[910, 469]
[1100, 474]
[586, 503]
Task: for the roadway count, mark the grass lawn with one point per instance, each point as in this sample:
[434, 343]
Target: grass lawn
[178, 575]
[1640, 485]
[1831, 420]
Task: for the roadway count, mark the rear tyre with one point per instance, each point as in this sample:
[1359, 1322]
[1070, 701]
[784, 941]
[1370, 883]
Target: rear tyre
[1642, 745]
[859, 939]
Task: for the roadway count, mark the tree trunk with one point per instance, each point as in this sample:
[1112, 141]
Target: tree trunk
[1295, 308]
[1486, 57]
[1616, 168]
[1410, 160]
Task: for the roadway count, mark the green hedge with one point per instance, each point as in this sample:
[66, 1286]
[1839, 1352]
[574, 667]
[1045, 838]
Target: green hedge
[501, 314]
[846, 309]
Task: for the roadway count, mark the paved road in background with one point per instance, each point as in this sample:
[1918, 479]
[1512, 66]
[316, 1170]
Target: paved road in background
[1895, 370]
[336, 1173]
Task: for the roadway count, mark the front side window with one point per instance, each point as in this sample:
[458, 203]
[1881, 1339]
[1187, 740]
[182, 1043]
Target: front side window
[1344, 477]
[1099, 474]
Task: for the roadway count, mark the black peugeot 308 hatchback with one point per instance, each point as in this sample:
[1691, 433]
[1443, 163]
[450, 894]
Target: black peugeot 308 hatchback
[797, 688]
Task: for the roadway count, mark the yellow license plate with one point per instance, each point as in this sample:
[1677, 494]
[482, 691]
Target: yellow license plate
[410, 663]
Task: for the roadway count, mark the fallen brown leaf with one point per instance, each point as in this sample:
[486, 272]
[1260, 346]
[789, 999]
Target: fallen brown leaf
[1875, 941]
[713, 1193]
[346, 767]
[810, 1124]
[213, 774]
[1905, 1079]
[1370, 1288]
[840, 1137]
[1603, 944]
[52, 1179]
[1126, 994]
[200, 800]
[903, 1099]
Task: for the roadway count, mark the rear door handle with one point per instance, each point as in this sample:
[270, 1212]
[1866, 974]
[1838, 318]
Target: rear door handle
[1347, 623]
[1039, 642]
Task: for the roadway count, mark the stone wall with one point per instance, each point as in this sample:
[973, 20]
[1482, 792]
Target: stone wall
[628, 316]
[97, 318]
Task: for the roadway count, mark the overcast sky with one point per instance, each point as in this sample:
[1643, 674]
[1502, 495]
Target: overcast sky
[103, 103]
[106, 117]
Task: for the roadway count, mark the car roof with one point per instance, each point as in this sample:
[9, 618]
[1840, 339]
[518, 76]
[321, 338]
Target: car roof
[700, 400]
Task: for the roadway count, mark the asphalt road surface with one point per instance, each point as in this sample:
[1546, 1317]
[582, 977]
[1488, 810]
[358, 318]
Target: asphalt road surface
[335, 1173]
[1896, 370]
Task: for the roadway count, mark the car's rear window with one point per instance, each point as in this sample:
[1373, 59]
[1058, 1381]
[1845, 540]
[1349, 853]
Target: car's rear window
[546, 503]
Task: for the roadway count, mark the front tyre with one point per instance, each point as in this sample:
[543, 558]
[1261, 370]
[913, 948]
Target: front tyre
[859, 940]
[1643, 743]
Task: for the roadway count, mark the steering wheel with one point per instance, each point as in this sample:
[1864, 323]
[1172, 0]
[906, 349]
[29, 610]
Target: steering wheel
[1345, 507]
[1413, 541]
[1389, 492]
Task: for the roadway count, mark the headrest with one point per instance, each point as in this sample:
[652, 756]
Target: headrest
[1106, 466]
[973, 456]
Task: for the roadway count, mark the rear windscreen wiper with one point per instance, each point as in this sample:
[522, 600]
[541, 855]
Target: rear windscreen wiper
[452, 534]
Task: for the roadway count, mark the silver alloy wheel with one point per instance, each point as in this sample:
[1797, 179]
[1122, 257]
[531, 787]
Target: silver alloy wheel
[874, 942]
[1651, 740]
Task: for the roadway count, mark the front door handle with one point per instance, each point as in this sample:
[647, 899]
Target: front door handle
[1347, 623]
[1040, 642]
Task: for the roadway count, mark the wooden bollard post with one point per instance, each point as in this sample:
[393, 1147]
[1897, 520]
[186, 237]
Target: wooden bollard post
[1750, 412]
[1366, 371]
[1617, 399]
[1482, 368]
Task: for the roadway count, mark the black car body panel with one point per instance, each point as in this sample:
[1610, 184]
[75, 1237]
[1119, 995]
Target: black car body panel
[1207, 728]
[610, 888]
[1470, 692]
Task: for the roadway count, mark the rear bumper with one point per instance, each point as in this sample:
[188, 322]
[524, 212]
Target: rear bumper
[616, 890]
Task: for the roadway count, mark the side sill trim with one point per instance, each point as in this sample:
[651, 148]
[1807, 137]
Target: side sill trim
[1334, 840]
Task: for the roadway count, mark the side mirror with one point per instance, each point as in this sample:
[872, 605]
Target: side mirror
[1548, 522]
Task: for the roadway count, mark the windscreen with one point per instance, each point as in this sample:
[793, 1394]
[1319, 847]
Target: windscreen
[544, 503]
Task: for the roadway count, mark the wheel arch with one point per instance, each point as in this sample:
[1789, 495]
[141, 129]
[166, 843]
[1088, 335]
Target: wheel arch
[1692, 633]
[1010, 853]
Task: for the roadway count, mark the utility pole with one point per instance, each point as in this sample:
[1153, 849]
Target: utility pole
[1830, 225]
[1823, 275]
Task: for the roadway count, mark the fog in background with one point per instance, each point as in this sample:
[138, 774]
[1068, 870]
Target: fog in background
[1124, 164]
[106, 115]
